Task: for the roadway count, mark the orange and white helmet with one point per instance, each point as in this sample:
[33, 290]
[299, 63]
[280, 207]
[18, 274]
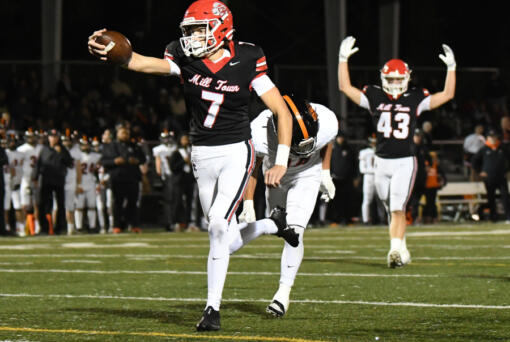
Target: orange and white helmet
[205, 27]
[395, 76]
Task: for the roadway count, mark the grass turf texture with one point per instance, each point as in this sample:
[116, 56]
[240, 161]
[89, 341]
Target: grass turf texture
[153, 287]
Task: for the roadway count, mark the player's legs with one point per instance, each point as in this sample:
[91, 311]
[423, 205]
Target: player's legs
[222, 173]
[90, 198]
[16, 204]
[401, 188]
[7, 206]
[300, 203]
[100, 210]
[78, 211]
[368, 196]
[70, 208]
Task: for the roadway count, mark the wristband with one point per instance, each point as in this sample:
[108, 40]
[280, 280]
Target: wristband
[452, 67]
[282, 155]
[248, 204]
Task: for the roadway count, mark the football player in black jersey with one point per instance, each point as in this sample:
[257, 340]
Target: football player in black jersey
[394, 109]
[218, 76]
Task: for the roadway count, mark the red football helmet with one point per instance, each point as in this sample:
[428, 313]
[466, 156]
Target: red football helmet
[395, 76]
[205, 26]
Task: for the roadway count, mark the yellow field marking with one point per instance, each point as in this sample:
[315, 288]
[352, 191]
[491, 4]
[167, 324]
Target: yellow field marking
[158, 334]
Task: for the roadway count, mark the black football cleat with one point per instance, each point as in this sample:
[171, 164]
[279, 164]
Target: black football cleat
[210, 320]
[278, 215]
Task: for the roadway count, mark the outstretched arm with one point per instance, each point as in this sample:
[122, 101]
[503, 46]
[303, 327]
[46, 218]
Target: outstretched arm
[448, 92]
[139, 63]
[344, 81]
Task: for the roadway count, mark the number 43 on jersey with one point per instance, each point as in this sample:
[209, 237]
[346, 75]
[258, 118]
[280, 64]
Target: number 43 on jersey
[384, 125]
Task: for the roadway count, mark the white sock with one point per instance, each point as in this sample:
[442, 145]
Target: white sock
[70, 227]
[283, 293]
[91, 215]
[404, 245]
[396, 244]
[37, 226]
[291, 260]
[217, 263]
[100, 217]
[78, 219]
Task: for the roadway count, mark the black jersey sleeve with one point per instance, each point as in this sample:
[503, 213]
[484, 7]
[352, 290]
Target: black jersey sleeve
[174, 52]
[372, 93]
[258, 62]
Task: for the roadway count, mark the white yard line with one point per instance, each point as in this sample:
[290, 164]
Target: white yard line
[240, 256]
[244, 300]
[304, 274]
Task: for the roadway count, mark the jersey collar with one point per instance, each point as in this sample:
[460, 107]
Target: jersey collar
[215, 67]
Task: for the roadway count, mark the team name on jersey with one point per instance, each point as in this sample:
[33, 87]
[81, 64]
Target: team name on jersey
[221, 85]
[398, 107]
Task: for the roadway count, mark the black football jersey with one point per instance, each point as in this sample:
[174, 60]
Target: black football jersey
[218, 94]
[394, 120]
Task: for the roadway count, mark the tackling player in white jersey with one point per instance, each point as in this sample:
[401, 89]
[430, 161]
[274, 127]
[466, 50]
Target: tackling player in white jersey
[314, 129]
[28, 188]
[86, 186]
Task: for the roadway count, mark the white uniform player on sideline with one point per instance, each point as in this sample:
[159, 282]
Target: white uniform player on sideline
[395, 110]
[366, 168]
[104, 197]
[314, 129]
[12, 179]
[86, 186]
[72, 175]
[28, 189]
[218, 75]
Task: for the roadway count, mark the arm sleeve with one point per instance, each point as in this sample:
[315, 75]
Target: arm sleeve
[173, 54]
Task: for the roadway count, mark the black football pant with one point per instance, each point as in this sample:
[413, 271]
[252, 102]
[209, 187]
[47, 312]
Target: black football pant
[491, 198]
[46, 208]
[125, 196]
[170, 200]
[341, 208]
[430, 209]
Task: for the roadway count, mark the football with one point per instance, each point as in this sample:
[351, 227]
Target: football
[118, 47]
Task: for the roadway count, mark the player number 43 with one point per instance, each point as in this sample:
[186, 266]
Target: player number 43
[385, 127]
[216, 101]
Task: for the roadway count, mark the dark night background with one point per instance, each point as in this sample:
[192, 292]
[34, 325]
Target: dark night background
[291, 32]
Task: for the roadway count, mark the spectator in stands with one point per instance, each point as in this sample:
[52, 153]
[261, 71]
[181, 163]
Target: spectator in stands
[496, 94]
[421, 152]
[472, 144]
[435, 180]
[52, 166]
[491, 164]
[343, 172]
[178, 107]
[505, 128]
[121, 160]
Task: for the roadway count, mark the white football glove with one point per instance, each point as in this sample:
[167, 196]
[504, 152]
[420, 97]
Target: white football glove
[347, 49]
[448, 58]
[248, 213]
[327, 187]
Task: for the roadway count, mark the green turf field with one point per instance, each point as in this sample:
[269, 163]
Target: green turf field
[152, 287]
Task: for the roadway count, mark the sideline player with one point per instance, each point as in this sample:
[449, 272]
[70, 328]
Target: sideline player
[218, 76]
[314, 129]
[12, 177]
[86, 185]
[366, 168]
[395, 110]
[72, 176]
[28, 188]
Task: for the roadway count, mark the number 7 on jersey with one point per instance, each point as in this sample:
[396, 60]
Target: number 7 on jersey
[214, 108]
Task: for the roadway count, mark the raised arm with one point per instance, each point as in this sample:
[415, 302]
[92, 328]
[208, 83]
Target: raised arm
[448, 92]
[138, 63]
[344, 81]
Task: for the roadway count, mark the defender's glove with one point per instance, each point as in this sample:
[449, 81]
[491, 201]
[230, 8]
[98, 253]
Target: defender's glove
[448, 58]
[248, 213]
[327, 187]
[347, 49]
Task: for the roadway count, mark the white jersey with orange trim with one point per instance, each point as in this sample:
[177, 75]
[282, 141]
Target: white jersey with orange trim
[265, 140]
[16, 162]
[31, 155]
[70, 182]
[89, 163]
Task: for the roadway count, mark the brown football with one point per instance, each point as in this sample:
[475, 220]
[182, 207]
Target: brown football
[118, 47]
